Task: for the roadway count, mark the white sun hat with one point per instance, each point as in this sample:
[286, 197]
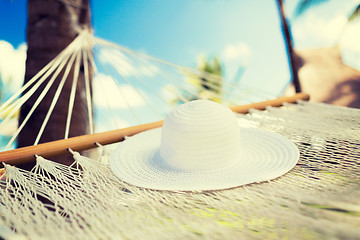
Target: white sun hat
[202, 147]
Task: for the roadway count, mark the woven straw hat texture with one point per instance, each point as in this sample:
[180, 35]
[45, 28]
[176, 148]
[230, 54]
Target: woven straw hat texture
[202, 147]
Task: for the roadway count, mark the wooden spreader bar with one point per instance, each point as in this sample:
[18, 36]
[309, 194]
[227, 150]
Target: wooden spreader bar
[54, 148]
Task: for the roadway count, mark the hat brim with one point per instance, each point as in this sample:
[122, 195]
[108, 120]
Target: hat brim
[263, 156]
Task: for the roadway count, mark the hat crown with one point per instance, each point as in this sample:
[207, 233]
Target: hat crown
[200, 135]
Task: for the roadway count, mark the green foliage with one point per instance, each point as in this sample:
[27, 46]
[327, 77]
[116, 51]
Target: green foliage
[304, 5]
[208, 82]
[354, 14]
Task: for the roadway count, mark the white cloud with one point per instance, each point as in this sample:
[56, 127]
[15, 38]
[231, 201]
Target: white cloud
[12, 65]
[149, 70]
[314, 31]
[108, 94]
[351, 36]
[235, 56]
[125, 65]
[236, 51]
[350, 45]
[110, 125]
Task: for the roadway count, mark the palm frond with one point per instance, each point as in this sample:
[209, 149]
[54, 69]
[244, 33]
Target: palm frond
[304, 5]
[354, 14]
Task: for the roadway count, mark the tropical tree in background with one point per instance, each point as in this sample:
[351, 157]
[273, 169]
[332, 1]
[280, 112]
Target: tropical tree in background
[207, 82]
[295, 59]
[285, 27]
[209, 86]
[305, 5]
[52, 26]
[326, 77]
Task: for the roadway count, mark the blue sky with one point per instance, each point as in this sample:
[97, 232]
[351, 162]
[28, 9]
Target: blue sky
[175, 29]
[181, 30]
[13, 21]
[178, 30]
[241, 33]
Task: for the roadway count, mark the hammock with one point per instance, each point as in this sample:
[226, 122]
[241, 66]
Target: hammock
[86, 200]
[132, 78]
[318, 199]
[157, 84]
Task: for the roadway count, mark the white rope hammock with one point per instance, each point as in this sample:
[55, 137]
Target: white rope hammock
[318, 199]
[155, 82]
[87, 201]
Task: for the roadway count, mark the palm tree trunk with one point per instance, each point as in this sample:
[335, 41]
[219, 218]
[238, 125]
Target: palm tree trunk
[289, 47]
[52, 25]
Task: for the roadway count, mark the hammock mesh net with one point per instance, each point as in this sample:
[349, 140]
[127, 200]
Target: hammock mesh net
[319, 198]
